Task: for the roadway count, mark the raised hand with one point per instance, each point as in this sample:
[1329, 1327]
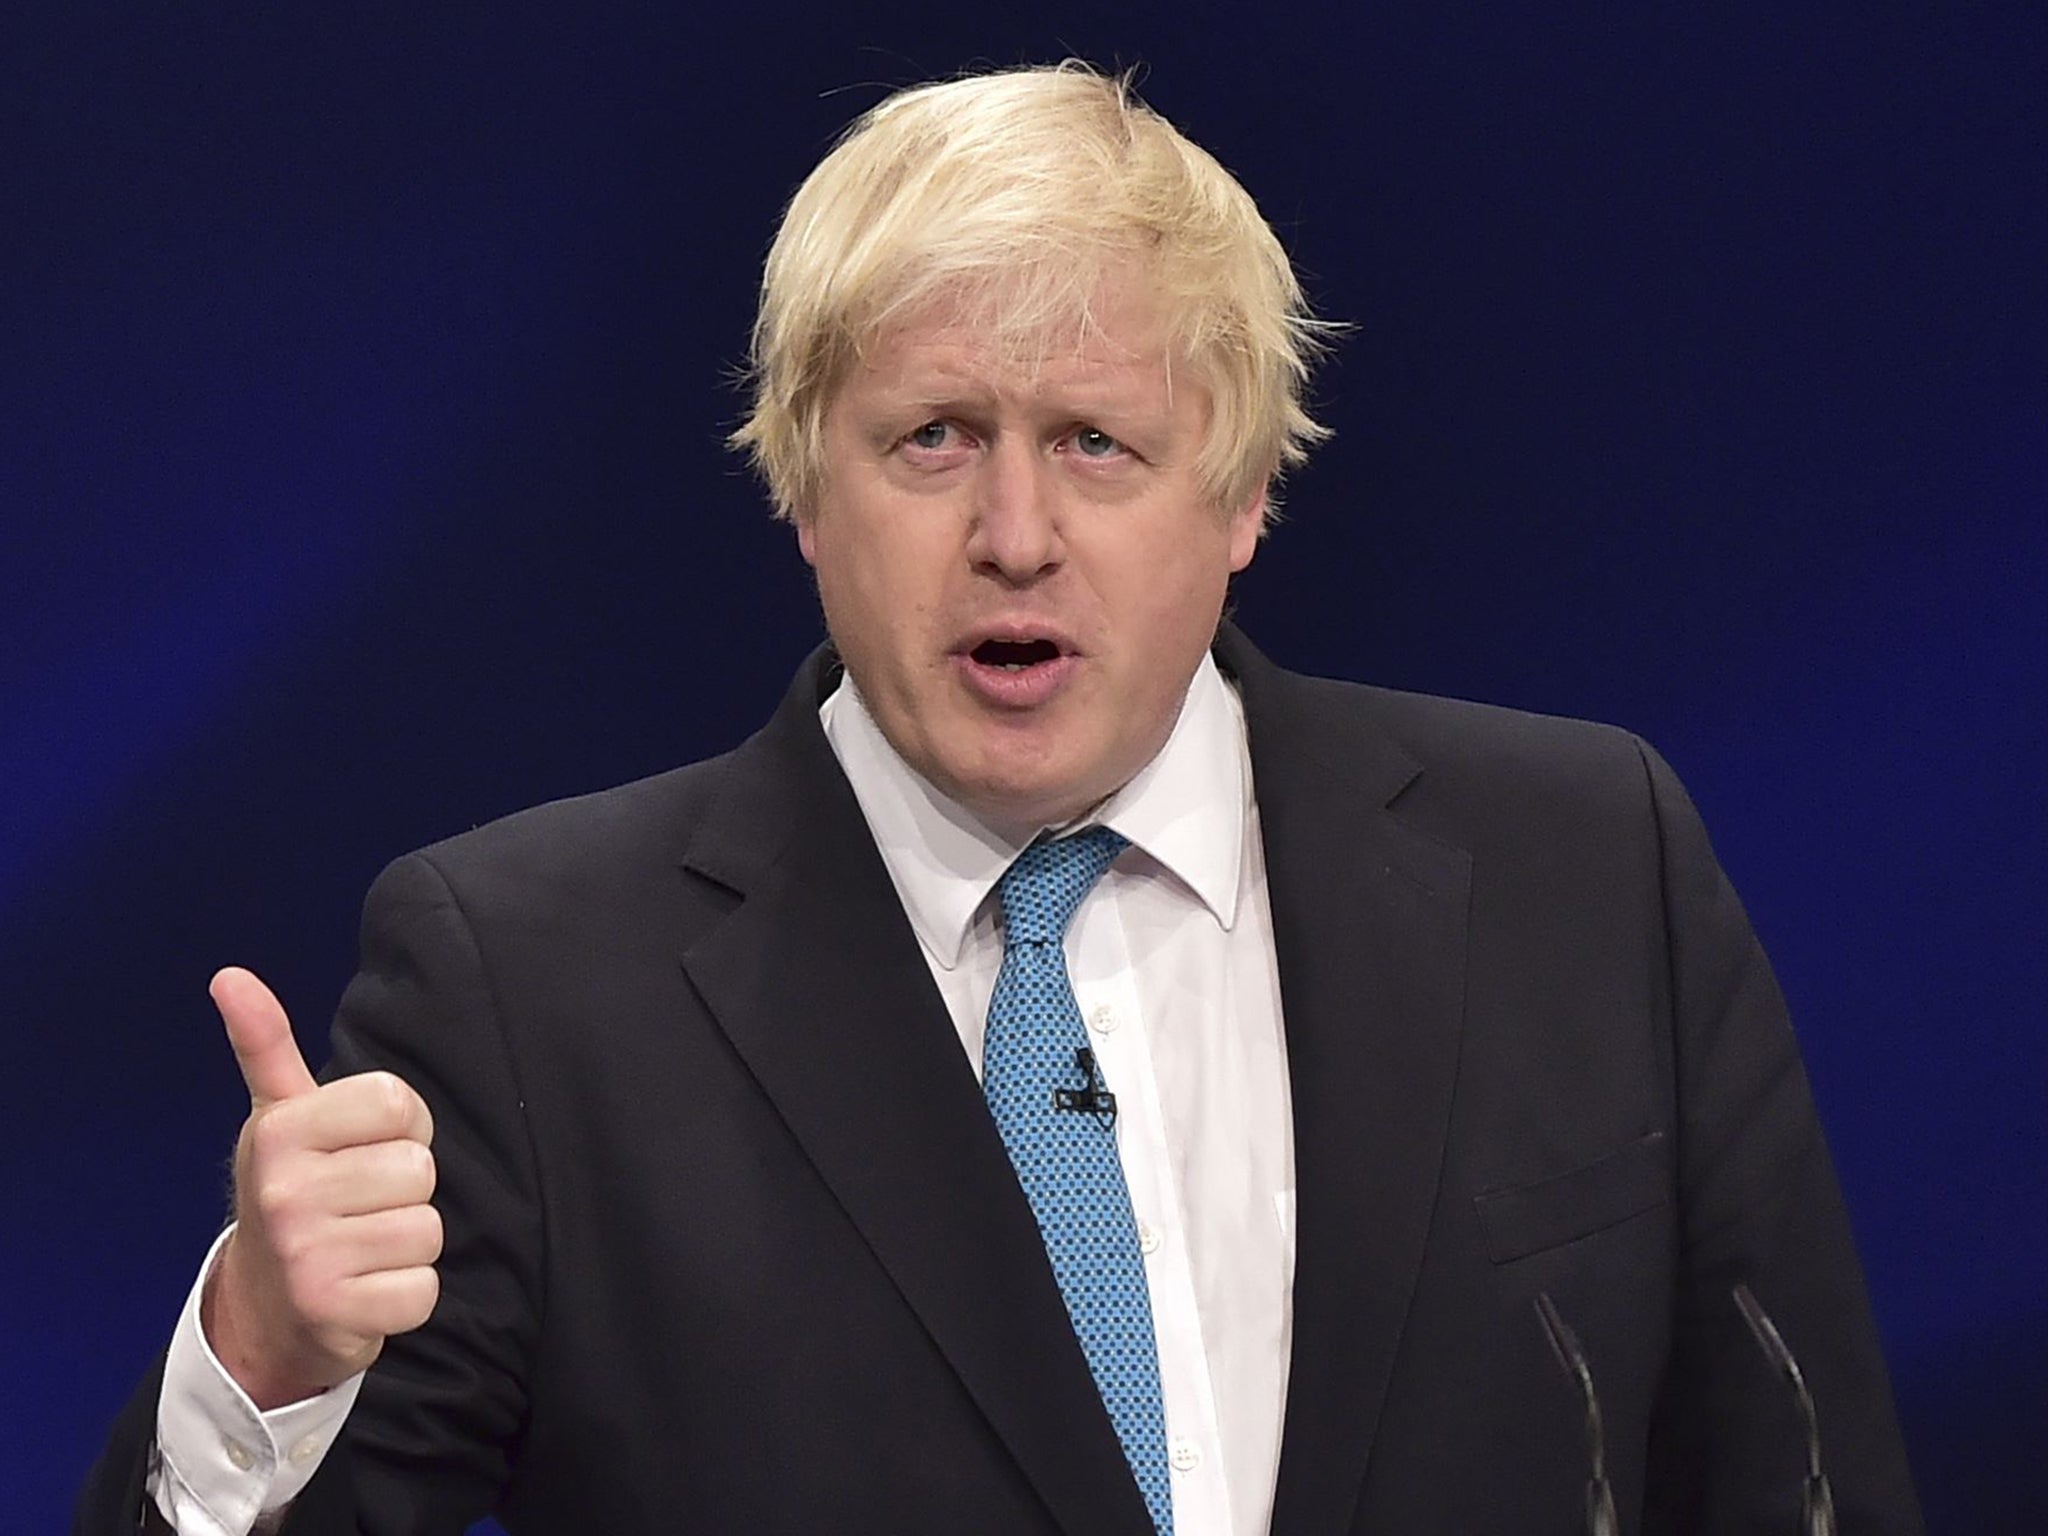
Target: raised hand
[335, 1243]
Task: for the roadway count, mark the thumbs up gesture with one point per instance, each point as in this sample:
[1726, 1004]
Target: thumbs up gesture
[335, 1243]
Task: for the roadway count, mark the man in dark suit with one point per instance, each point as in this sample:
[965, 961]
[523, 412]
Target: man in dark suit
[653, 1188]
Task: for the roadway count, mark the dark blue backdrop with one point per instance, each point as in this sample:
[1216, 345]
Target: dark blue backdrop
[361, 397]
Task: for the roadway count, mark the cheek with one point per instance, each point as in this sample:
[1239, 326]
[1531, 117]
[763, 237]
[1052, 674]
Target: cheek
[1171, 609]
[1182, 591]
[877, 600]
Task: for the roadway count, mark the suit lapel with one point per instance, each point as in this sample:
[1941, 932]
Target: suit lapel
[1369, 918]
[818, 981]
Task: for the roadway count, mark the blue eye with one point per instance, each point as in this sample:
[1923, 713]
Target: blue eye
[931, 435]
[1095, 443]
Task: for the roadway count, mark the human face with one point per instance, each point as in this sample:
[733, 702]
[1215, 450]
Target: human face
[1018, 565]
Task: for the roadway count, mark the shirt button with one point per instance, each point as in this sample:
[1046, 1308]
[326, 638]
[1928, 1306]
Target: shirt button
[1148, 1237]
[238, 1453]
[1103, 1020]
[306, 1449]
[1185, 1456]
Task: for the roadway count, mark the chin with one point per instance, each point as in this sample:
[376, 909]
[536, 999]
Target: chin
[1010, 801]
[1042, 772]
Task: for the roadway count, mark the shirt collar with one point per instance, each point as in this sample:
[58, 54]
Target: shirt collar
[1185, 810]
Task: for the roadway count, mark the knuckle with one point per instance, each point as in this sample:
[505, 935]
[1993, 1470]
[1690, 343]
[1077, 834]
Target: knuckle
[345, 1347]
[296, 1247]
[269, 1135]
[276, 1198]
[310, 1296]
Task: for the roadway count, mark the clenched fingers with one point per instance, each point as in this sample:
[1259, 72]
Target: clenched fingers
[349, 1112]
[355, 1181]
[392, 1300]
[333, 1271]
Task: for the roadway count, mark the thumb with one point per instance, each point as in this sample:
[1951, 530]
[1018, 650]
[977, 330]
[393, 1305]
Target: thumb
[262, 1037]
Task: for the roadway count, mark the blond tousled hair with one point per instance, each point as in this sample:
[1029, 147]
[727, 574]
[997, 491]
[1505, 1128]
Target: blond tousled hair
[1017, 194]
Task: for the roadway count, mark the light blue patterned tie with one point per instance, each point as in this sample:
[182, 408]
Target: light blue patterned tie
[1059, 1125]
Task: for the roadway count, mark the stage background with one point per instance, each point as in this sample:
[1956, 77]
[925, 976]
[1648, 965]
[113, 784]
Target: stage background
[361, 397]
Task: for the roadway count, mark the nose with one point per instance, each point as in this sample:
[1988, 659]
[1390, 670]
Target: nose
[1016, 534]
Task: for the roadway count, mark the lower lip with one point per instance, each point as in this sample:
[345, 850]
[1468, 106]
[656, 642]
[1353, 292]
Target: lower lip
[1016, 687]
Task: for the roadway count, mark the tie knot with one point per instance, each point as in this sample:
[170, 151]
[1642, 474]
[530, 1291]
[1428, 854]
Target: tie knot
[1040, 891]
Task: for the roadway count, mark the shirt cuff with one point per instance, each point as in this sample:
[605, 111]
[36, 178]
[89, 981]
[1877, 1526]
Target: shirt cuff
[222, 1464]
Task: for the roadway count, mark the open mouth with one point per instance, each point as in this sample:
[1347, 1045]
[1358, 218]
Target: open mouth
[1018, 671]
[1014, 655]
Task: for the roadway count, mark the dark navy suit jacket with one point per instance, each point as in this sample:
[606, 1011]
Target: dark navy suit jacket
[734, 1246]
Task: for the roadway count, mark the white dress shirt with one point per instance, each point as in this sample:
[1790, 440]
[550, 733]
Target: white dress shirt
[1172, 961]
[222, 1463]
[1171, 956]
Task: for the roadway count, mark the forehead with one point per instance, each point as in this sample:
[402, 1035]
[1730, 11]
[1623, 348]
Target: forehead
[1114, 346]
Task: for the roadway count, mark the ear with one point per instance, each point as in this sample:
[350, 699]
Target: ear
[807, 537]
[1247, 523]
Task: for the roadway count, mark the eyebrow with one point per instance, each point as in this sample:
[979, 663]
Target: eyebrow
[939, 401]
[978, 399]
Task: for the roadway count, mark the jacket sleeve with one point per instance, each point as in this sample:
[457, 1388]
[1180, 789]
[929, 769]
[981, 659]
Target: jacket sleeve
[1759, 1205]
[434, 1435]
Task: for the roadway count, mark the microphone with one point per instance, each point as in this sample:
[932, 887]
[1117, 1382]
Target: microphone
[1600, 1517]
[1817, 1505]
[1091, 1097]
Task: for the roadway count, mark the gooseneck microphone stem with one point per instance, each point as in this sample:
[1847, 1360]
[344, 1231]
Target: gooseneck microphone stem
[1818, 1500]
[1601, 1519]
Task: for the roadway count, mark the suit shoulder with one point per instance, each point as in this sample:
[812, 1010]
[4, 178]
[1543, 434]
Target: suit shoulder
[1547, 804]
[586, 843]
[1493, 743]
